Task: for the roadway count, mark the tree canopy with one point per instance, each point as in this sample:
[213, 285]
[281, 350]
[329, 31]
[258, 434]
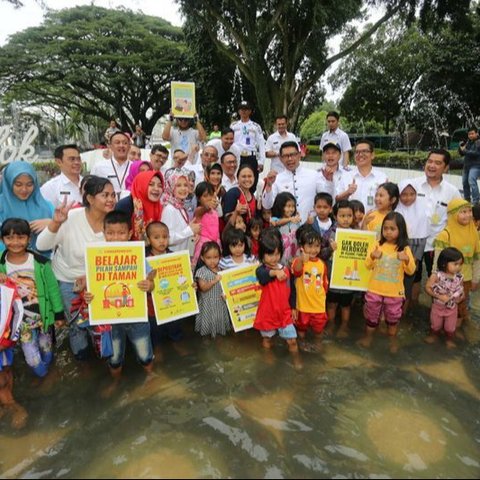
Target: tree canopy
[99, 62]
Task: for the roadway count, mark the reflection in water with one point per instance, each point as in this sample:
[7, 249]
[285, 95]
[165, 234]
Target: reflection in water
[224, 411]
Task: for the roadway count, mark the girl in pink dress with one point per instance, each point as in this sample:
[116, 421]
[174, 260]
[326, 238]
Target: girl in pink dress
[206, 214]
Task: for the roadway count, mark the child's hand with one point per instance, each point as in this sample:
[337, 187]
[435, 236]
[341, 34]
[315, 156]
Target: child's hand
[443, 298]
[281, 275]
[241, 209]
[403, 257]
[146, 285]
[297, 219]
[218, 279]
[352, 188]
[195, 286]
[304, 256]
[294, 315]
[376, 254]
[3, 278]
[88, 296]
[333, 245]
[224, 297]
[60, 324]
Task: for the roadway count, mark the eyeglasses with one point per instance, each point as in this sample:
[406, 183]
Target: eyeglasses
[209, 155]
[362, 152]
[288, 156]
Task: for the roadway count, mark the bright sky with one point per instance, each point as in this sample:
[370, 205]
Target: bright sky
[31, 14]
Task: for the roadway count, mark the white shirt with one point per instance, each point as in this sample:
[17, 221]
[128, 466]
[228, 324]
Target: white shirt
[59, 187]
[435, 200]
[181, 235]
[217, 143]
[338, 136]
[116, 173]
[185, 140]
[303, 184]
[330, 186]
[274, 142]
[248, 136]
[68, 261]
[366, 186]
[228, 184]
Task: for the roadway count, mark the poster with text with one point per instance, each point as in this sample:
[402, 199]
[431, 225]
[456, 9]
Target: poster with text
[348, 268]
[113, 271]
[173, 296]
[183, 99]
[242, 291]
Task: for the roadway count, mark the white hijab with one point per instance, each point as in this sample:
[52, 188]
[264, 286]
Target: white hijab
[415, 215]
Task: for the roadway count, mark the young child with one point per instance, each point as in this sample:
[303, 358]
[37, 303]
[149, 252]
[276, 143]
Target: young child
[117, 228]
[275, 306]
[386, 200]
[255, 229]
[344, 218]
[207, 216]
[358, 213]
[446, 288]
[213, 318]
[236, 251]
[38, 288]
[287, 220]
[323, 224]
[389, 259]
[417, 227]
[461, 233]
[311, 283]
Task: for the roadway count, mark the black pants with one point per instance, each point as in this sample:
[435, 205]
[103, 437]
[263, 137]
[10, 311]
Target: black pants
[251, 161]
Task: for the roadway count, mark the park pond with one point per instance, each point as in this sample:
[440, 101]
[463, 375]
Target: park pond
[227, 410]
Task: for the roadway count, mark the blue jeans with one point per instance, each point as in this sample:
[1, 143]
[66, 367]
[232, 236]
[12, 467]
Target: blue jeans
[470, 186]
[139, 336]
[38, 351]
[78, 336]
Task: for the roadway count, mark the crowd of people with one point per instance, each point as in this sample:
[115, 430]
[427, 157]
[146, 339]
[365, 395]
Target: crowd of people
[219, 208]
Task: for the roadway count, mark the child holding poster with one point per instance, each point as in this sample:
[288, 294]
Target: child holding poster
[344, 218]
[390, 259]
[117, 228]
[213, 318]
[275, 312]
[311, 284]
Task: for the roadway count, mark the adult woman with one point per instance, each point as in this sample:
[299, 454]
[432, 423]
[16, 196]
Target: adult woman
[69, 232]
[143, 205]
[20, 197]
[239, 201]
[135, 168]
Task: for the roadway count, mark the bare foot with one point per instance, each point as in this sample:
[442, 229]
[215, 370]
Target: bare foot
[460, 334]
[107, 392]
[181, 349]
[267, 343]
[431, 339]
[297, 361]
[365, 342]
[394, 345]
[343, 332]
[450, 344]
[19, 416]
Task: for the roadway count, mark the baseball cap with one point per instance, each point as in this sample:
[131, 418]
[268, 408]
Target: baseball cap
[245, 105]
[332, 145]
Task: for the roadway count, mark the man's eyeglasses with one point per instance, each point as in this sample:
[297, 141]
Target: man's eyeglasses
[362, 152]
[288, 156]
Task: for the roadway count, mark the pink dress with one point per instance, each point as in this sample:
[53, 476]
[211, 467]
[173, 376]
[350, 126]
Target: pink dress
[210, 232]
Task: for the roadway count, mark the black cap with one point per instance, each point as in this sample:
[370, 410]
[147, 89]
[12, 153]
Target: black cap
[332, 145]
[245, 105]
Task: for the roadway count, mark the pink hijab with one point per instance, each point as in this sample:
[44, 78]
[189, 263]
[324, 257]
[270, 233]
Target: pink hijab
[134, 171]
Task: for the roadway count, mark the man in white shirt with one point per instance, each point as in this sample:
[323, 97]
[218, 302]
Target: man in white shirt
[229, 164]
[331, 170]
[208, 157]
[275, 140]
[67, 184]
[435, 193]
[303, 183]
[116, 168]
[337, 135]
[225, 143]
[134, 153]
[249, 138]
[361, 182]
[184, 137]
[158, 157]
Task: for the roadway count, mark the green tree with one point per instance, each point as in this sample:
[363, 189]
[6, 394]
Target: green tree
[98, 62]
[280, 46]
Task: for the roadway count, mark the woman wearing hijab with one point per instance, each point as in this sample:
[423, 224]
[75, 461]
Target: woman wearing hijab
[136, 167]
[20, 197]
[143, 205]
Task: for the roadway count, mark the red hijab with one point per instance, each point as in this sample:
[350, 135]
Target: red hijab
[144, 210]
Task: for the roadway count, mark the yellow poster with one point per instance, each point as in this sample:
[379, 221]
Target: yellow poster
[242, 291]
[348, 266]
[113, 271]
[183, 99]
[174, 296]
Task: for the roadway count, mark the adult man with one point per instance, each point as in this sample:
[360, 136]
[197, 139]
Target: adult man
[435, 193]
[208, 157]
[331, 170]
[116, 168]
[184, 137]
[112, 128]
[139, 137]
[337, 135]
[471, 165]
[158, 157]
[303, 183]
[249, 138]
[134, 153]
[361, 182]
[225, 143]
[67, 184]
[275, 140]
[229, 166]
